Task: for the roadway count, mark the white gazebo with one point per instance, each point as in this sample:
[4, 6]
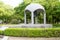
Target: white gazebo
[32, 8]
[35, 8]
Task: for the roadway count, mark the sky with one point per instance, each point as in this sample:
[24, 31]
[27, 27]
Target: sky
[12, 3]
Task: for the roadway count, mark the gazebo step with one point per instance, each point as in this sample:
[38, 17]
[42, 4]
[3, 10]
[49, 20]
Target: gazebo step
[37, 26]
[31, 26]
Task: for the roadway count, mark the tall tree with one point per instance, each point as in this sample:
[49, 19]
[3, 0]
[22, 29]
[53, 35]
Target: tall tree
[19, 11]
[52, 9]
[5, 12]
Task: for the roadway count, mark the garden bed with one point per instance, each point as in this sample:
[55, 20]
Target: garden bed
[32, 32]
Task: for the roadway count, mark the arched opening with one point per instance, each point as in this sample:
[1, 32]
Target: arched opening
[38, 16]
[28, 16]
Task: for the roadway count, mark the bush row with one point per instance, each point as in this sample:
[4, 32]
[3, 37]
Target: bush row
[56, 25]
[33, 32]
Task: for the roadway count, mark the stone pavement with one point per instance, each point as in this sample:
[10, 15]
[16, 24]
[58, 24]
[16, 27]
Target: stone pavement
[27, 38]
[0, 38]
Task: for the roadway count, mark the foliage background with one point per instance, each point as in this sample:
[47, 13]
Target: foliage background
[52, 9]
[8, 15]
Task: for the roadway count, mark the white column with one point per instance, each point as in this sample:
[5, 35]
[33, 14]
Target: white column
[32, 18]
[25, 17]
[44, 18]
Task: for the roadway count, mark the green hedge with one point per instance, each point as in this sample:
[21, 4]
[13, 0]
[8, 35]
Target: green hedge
[33, 32]
[1, 32]
[56, 25]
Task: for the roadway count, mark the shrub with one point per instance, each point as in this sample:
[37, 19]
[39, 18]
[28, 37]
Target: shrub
[33, 32]
[1, 32]
[56, 25]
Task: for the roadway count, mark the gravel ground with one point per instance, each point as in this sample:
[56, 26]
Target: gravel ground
[27, 38]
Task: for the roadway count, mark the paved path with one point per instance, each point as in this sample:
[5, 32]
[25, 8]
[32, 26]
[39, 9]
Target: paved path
[0, 38]
[27, 38]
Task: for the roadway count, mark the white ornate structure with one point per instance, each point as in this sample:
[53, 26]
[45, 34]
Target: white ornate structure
[32, 8]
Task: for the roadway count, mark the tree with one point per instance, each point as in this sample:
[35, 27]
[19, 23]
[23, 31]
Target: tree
[19, 11]
[52, 9]
[5, 12]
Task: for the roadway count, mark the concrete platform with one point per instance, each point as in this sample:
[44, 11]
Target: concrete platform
[3, 27]
[31, 26]
[37, 25]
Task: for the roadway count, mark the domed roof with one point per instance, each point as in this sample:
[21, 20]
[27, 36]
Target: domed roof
[33, 6]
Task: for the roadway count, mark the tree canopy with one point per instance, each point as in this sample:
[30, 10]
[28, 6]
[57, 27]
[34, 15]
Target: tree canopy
[16, 15]
[52, 9]
[5, 12]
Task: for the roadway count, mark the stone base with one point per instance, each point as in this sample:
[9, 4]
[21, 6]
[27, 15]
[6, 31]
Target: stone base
[31, 26]
[37, 26]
